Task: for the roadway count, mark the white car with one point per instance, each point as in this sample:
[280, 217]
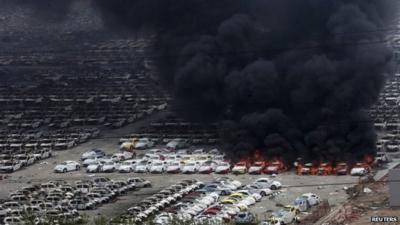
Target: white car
[143, 143]
[191, 167]
[208, 167]
[91, 154]
[157, 167]
[174, 167]
[237, 183]
[359, 170]
[248, 201]
[93, 160]
[127, 166]
[43, 154]
[258, 189]
[170, 158]
[142, 167]
[139, 182]
[312, 198]
[240, 168]
[223, 168]
[175, 144]
[268, 183]
[95, 167]
[256, 196]
[163, 218]
[9, 166]
[25, 159]
[121, 156]
[286, 216]
[109, 166]
[67, 166]
[200, 151]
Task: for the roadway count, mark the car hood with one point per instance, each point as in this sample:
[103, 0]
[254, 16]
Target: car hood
[125, 166]
[156, 167]
[239, 168]
[189, 168]
[255, 168]
[60, 167]
[205, 168]
[140, 144]
[272, 168]
[357, 169]
[173, 167]
[222, 167]
[5, 167]
[95, 166]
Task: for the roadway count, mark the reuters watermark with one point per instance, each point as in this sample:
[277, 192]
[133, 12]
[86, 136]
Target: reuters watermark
[384, 219]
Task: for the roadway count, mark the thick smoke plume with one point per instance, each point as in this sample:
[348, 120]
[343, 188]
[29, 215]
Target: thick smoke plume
[292, 78]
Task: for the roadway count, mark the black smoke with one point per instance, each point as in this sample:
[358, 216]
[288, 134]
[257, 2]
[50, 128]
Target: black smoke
[292, 78]
[49, 11]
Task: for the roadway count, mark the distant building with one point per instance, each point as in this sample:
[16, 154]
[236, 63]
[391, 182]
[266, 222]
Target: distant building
[394, 188]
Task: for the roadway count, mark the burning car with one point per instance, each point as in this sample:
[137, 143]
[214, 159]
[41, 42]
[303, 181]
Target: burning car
[258, 167]
[307, 169]
[275, 167]
[240, 167]
[341, 169]
[325, 169]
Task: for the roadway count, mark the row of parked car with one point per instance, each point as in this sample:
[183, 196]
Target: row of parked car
[173, 132]
[60, 200]
[18, 150]
[221, 200]
[202, 162]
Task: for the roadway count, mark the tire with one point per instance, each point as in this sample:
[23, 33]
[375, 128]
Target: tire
[273, 187]
[78, 168]
[64, 170]
[223, 192]
[263, 194]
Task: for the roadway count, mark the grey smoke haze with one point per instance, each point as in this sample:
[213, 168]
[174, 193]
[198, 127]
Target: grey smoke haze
[290, 77]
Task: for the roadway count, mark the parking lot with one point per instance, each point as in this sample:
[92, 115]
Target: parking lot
[293, 185]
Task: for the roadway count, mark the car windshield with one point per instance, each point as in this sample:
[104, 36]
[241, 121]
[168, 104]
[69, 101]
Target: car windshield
[191, 164]
[158, 164]
[143, 163]
[175, 164]
[224, 164]
[109, 163]
[65, 163]
[127, 163]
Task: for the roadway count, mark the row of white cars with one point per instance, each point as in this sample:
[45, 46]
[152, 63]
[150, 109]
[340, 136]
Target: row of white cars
[154, 161]
[60, 200]
[95, 161]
